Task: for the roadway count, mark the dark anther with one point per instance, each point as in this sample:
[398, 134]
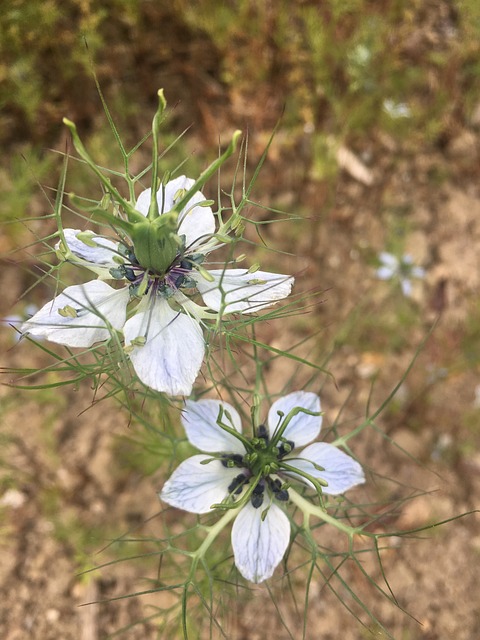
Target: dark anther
[237, 483]
[132, 257]
[257, 501]
[285, 448]
[129, 274]
[179, 280]
[257, 495]
[276, 488]
[197, 258]
[185, 264]
[282, 495]
[117, 272]
[260, 488]
[232, 460]
[262, 432]
[275, 485]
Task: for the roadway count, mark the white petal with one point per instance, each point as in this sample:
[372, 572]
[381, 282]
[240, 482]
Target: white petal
[341, 471]
[302, 428]
[237, 290]
[417, 272]
[388, 259]
[385, 273]
[406, 286]
[196, 223]
[172, 355]
[195, 487]
[143, 203]
[101, 255]
[259, 546]
[96, 305]
[200, 422]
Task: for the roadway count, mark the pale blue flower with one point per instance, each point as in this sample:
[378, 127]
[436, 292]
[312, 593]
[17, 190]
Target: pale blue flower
[161, 323]
[256, 473]
[400, 269]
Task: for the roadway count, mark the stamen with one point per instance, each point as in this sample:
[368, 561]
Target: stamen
[278, 490]
[258, 495]
[262, 432]
[232, 460]
[237, 484]
[68, 312]
[286, 447]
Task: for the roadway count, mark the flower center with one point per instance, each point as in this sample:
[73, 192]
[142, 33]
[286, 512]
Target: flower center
[145, 281]
[258, 465]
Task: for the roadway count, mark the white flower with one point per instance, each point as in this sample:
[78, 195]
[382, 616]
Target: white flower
[401, 269]
[161, 324]
[258, 468]
[396, 109]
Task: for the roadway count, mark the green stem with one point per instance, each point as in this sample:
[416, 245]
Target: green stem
[241, 502]
[208, 173]
[133, 215]
[157, 119]
[213, 532]
[310, 509]
[291, 414]
[318, 483]
[342, 441]
[236, 434]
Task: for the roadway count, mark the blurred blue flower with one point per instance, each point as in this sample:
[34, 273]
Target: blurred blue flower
[399, 269]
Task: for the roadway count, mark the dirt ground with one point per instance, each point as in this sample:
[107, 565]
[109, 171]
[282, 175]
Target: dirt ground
[64, 478]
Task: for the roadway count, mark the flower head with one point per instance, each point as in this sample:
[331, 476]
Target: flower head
[401, 269]
[157, 271]
[254, 475]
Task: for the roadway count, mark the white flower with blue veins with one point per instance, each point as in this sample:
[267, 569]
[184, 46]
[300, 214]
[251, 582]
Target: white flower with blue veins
[401, 269]
[158, 269]
[253, 476]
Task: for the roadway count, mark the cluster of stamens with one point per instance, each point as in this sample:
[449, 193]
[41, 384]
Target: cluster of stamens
[146, 281]
[257, 466]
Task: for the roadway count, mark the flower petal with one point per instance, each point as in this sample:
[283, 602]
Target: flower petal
[197, 223]
[388, 259]
[143, 202]
[90, 308]
[385, 273]
[417, 272]
[303, 428]
[341, 471]
[406, 286]
[389, 266]
[195, 487]
[172, 355]
[200, 422]
[100, 255]
[259, 546]
[237, 290]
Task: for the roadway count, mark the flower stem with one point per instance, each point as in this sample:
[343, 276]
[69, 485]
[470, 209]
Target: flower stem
[310, 509]
[209, 171]
[153, 209]
[213, 532]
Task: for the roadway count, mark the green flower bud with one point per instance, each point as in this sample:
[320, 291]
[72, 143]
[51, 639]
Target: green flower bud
[156, 242]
